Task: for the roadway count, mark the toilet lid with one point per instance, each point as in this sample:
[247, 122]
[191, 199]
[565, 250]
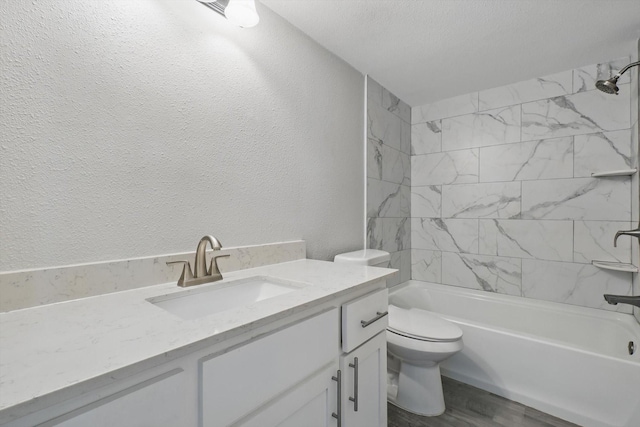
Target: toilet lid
[422, 325]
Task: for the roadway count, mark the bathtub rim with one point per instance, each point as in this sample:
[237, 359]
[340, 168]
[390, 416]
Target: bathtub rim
[627, 318]
[628, 321]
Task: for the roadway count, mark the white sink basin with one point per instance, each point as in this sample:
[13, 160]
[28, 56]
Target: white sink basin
[211, 299]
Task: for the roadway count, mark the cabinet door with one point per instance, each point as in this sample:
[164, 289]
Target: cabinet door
[309, 404]
[371, 385]
[158, 402]
[243, 379]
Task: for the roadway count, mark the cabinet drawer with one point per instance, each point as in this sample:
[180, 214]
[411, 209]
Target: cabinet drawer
[363, 318]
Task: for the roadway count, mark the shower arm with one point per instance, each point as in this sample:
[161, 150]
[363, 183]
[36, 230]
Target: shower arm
[621, 72]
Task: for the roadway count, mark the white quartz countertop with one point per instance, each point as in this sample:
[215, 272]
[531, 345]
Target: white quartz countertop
[52, 349]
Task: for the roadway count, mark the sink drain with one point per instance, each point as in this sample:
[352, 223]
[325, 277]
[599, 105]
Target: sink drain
[631, 347]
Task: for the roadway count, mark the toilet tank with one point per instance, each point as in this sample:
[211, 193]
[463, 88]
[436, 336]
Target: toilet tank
[370, 257]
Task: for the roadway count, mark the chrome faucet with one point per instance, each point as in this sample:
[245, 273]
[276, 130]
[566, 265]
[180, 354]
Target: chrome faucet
[200, 266]
[622, 299]
[201, 273]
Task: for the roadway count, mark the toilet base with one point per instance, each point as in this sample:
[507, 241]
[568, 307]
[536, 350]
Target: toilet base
[420, 390]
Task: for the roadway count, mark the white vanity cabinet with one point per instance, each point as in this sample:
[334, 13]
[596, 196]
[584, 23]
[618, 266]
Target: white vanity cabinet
[290, 378]
[296, 371]
[364, 363]
[315, 401]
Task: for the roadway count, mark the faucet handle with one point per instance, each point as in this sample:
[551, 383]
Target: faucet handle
[633, 233]
[186, 275]
[213, 267]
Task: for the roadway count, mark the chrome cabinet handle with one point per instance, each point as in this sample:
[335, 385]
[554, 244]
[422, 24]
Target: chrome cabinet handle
[354, 399]
[379, 316]
[338, 416]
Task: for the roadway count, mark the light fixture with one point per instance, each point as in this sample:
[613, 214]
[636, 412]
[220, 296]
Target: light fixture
[239, 12]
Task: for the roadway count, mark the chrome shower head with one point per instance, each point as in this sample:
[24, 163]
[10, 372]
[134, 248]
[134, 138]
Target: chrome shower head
[608, 86]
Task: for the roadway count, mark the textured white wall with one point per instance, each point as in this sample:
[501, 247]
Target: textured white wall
[132, 128]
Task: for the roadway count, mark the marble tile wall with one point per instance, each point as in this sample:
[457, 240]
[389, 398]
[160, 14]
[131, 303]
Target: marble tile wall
[389, 177]
[502, 197]
[29, 288]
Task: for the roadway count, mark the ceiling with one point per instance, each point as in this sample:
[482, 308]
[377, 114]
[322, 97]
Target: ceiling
[427, 50]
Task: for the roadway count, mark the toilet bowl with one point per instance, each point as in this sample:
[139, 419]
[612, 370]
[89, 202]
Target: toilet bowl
[419, 341]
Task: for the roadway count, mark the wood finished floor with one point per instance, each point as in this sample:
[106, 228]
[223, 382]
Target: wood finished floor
[468, 406]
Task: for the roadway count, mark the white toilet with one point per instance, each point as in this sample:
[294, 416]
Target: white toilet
[417, 341]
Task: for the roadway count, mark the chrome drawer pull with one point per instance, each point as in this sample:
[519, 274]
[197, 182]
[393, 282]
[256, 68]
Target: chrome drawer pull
[338, 416]
[379, 316]
[354, 399]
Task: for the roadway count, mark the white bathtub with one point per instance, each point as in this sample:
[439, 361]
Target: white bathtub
[568, 361]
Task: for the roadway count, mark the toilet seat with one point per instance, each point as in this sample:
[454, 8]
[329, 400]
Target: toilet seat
[421, 325]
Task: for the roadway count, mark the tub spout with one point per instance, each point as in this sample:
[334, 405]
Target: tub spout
[615, 299]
